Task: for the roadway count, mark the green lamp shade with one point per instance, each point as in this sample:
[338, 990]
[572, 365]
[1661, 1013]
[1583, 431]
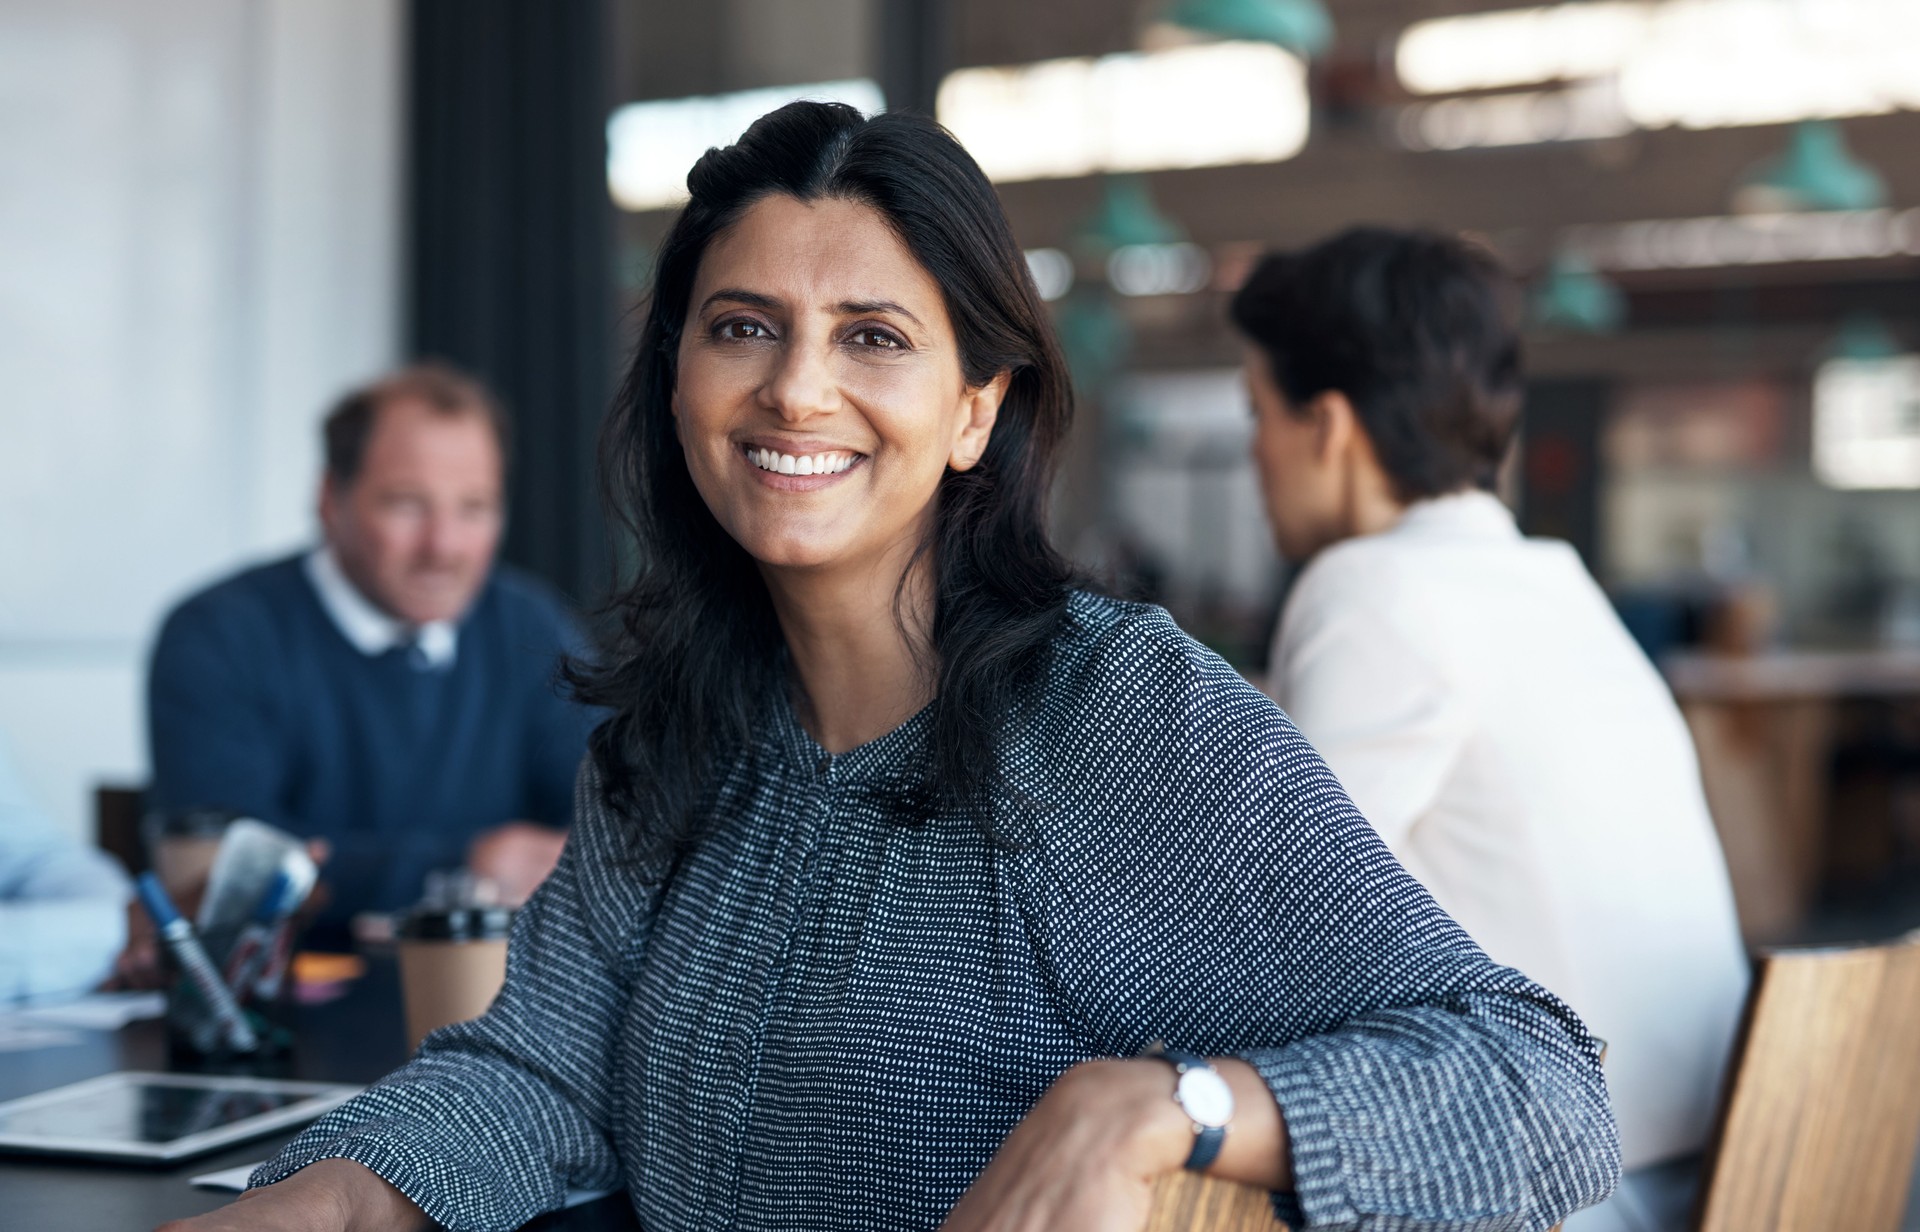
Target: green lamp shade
[1094, 336]
[1864, 335]
[1574, 297]
[1815, 172]
[1300, 26]
[1126, 216]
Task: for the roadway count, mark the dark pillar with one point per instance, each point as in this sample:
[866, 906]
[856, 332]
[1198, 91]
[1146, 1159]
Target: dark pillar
[915, 52]
[510, 232]
[1560, 463]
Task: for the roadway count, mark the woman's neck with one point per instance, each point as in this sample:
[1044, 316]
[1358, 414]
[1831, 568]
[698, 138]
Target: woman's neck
[860, 673]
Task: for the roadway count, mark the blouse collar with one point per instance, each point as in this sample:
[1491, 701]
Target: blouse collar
[1470, 514]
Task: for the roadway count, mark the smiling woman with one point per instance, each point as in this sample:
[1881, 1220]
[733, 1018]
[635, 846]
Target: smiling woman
[900, 854]
[851, 288]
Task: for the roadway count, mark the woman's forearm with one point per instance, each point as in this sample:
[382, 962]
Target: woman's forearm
[1256, 1151]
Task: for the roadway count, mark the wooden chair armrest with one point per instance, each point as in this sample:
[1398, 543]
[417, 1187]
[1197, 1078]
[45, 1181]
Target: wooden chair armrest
[1188, 1202]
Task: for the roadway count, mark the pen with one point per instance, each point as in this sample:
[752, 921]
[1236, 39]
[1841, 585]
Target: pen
[192, 957]
[253, 949]
[267, 987]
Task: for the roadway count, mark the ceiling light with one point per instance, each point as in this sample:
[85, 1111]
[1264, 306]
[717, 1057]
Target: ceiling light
[1300, 26]
[1574, 297]
[1815, 172]
[1205, 105]
[1690, 63]
[651, 145]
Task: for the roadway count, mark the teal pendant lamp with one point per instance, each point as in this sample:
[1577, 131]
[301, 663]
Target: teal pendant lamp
[1574, 297]
[1126, 216]
[1095, 337]
[1864, 335]
[1300, 26]
[1815, 172]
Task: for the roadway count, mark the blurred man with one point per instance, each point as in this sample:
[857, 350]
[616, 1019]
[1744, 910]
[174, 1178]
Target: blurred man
[1473, 689]
[391, 692]
[62, 905]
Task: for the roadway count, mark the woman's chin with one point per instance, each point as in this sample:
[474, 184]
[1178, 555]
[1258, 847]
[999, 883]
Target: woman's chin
[796, 555]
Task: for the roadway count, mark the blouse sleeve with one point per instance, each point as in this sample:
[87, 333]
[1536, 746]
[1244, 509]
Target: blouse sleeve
[1244, 908]
[493, 1119]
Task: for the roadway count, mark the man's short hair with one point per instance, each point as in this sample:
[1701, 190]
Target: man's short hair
[439, 385]
[1416, 329]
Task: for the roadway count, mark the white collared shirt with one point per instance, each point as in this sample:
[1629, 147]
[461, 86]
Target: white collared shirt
[1485, 708]
[370, 630]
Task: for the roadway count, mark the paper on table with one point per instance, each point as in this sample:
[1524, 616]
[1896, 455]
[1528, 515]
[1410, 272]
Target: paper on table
[28, 1037]
[235, 1179]
[99, 1011]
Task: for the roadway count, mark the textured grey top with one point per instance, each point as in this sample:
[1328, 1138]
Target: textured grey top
[830, 1016]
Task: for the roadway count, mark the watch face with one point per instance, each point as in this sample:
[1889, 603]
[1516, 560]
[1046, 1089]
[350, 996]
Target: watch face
[1205, 1096]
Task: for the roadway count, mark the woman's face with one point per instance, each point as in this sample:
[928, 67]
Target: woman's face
[1297, 463]
[820, 396]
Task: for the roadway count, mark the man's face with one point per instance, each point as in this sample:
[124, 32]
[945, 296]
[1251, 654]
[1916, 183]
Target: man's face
[416, 529]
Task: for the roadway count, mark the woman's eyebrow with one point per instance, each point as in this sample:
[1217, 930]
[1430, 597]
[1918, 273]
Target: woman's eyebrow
[737, 295]
[859, 307]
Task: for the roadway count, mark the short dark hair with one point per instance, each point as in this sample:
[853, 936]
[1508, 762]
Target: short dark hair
[438, 384]
[1416, 329]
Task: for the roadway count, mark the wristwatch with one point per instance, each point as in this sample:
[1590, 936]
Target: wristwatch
[1204, 1096]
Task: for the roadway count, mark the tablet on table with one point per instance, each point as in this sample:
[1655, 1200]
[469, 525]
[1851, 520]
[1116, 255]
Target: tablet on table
[159, 1118]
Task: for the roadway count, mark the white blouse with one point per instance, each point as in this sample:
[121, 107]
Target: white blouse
[1490, 715]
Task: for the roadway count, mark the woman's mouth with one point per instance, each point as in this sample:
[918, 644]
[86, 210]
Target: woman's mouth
[800, 472]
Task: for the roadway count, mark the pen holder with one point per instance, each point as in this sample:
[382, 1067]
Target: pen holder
[197, 1036]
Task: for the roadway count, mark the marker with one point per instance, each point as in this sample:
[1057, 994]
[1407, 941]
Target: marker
[253, 949]
[192, 957]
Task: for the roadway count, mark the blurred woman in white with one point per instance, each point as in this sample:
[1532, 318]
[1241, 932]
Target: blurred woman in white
[1474, 690]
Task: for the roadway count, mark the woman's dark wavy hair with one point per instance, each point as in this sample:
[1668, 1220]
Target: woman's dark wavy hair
[698, 657]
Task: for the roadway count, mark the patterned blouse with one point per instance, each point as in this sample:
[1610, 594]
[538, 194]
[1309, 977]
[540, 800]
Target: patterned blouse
[831, 1015]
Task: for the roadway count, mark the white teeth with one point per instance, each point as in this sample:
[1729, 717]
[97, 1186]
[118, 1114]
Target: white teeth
[800, 464]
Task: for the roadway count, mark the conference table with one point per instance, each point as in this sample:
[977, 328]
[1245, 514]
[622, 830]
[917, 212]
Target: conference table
[353, 1039]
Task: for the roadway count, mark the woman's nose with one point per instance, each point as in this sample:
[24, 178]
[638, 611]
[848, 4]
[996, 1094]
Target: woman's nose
[802, 385]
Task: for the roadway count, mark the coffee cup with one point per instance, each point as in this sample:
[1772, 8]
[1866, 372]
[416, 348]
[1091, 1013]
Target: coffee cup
[452, 963]
[181, 846]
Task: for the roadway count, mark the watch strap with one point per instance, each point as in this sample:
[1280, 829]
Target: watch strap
[1207, 1139]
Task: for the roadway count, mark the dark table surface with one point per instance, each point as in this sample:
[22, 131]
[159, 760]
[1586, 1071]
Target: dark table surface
[354, 1039]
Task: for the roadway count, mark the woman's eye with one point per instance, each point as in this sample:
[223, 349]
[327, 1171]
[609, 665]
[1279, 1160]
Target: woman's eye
[742, 330]
[877, 338]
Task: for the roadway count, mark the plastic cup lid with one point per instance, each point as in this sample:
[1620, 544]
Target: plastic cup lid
[456, 924]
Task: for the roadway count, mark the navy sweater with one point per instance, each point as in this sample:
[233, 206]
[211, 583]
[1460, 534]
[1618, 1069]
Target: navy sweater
[258, 703]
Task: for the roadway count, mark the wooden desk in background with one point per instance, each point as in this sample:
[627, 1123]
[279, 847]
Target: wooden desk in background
[1765, 726]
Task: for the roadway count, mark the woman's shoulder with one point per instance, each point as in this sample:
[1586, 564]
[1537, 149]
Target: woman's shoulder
[1099, 627]
[1116, 659]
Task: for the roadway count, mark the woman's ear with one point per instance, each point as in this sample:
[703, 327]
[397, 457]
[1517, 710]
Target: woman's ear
[980, 410]
[1336, 425]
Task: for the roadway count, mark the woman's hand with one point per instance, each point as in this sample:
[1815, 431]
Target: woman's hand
[334, 1195]
[1085, 1159]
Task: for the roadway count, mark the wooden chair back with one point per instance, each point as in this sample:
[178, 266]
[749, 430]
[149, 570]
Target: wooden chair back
[116, 824]
[1821, 1113]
